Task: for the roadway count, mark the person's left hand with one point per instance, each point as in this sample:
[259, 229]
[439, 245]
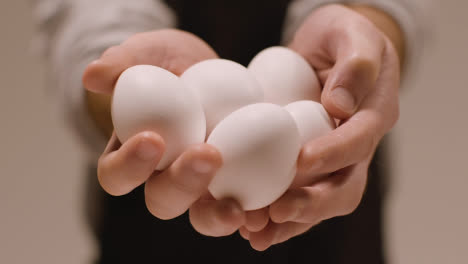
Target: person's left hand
[359, 69]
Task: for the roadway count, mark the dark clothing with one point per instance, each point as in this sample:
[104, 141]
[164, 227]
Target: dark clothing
[128, 233]
[236, 29]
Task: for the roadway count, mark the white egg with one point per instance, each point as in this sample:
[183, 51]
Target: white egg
[259, 144]
[311, 118]
[313, 121]
[285, 76]
[222, 86]
[149, 98]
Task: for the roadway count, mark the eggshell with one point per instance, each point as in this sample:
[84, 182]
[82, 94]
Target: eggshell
[222, 86]
[259, 144]
[285, 76]
[313, 121]
[149, 98]
[311, 118]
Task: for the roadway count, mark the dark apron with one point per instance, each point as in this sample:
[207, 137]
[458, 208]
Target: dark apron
[128, 233]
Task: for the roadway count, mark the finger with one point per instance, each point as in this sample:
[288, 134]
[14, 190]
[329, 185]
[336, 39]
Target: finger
[101, 75]
[357, 137]
[351, 46]
[244, 232]
[216, 218]
[358, 61]
[257, 220]
[172, 192]
[339, 194]
[348, 144]
[275, 234]
[170, 49]
[123, 168]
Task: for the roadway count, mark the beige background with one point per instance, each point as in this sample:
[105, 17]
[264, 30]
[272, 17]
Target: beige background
[41, 177]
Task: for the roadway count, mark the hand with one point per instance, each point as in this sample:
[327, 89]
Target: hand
[359, 70]
[121, 168]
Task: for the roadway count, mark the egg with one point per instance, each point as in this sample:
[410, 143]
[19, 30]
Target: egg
[313, 121]
[149, 98]
[285, 76]
[259, 144]
[222, 87]
[311, 118]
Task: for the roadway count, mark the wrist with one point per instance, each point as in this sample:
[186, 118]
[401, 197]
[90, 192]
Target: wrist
[386, 24]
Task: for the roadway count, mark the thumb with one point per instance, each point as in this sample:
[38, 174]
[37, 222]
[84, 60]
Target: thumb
[350, 80]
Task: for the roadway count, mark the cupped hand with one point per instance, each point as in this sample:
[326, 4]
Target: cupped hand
[123, 167]
[359, 70]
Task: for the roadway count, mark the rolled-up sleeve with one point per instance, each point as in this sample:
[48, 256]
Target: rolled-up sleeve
[72, 33]
[413, 16]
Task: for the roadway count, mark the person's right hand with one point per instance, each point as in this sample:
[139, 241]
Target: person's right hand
[123, 167]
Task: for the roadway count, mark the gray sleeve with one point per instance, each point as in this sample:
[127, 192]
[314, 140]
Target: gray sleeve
[412, 16]
[72, 33]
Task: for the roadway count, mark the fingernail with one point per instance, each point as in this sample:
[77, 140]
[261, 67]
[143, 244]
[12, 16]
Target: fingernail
[343, 99]
[202, 166]
[147, 151]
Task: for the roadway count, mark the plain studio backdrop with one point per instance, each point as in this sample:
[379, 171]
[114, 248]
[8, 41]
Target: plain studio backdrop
[42, 177]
